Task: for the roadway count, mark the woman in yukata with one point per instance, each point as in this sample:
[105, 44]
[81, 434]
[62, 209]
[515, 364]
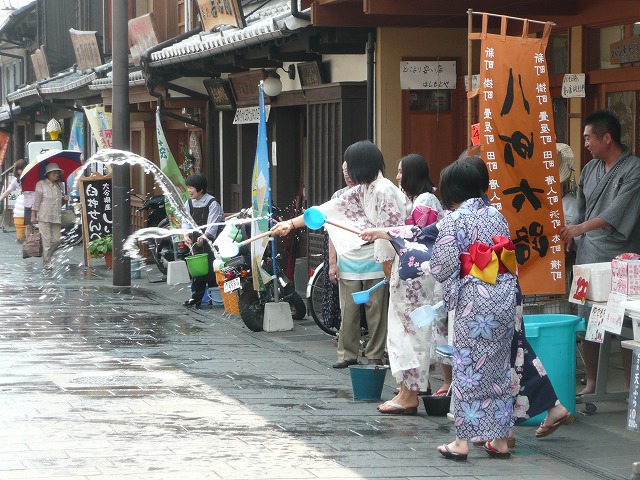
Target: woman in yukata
[409, 347]
[475, 261]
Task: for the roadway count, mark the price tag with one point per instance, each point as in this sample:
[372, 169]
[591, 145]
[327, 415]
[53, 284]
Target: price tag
[232, 285]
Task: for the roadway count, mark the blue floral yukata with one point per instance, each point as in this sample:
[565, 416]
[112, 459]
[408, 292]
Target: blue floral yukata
[484, 322]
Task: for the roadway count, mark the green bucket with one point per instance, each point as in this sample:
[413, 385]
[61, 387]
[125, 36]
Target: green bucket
[198, 265]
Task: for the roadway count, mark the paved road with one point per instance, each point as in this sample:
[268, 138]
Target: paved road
[104, 383]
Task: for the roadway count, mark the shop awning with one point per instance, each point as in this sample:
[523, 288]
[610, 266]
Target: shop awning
[106, 83]
[62, 82]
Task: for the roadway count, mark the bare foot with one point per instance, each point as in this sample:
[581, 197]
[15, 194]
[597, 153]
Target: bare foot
[554, 414]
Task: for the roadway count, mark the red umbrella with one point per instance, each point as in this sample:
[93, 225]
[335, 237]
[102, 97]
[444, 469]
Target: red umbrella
[67, 160]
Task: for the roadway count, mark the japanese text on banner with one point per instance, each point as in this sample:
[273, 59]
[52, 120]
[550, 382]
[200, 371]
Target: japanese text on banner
[518, 144]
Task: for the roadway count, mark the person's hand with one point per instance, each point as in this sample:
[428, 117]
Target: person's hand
[283, 228]
[65, 198]
[569, 232]
[333, 272]
[34, 218]
[371, 234]
[187, 241]
[200, 240]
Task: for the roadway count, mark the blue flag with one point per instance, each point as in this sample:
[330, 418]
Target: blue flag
[260, 197]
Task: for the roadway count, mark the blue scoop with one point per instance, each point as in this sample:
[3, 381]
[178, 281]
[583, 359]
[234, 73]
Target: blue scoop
[363, 296]
[315, 219]
[425, 314]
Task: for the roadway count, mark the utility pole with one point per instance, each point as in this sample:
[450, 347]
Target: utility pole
[121, 140]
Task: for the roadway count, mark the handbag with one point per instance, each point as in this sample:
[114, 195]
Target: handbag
[32, 246]
[67, 217]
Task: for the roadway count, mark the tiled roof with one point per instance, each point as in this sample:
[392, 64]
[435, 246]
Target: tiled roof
[59, 83]
[269, 22]
[105, 83]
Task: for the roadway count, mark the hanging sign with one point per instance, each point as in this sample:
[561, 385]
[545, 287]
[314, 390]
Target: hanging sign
[625, 51]
[573, 85]
[214, 14]
[249, 115]
[518, 144]
[428, 75]
[86, 48]
[40, 65]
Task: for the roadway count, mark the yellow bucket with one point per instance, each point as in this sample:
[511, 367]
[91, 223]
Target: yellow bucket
[20, 228]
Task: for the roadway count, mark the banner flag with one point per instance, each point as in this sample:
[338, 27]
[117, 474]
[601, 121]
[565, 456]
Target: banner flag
[76, 137]
[170, 168]
[518, 144]
[100, 121]
[5, 137]
[260, 198]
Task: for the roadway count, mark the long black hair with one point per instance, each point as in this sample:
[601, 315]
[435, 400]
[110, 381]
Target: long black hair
[415, 175]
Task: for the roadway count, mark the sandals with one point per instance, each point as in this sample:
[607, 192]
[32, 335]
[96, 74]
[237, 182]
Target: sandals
[494, 452]
[451, 455]
[397, 409]
[544, 430]
[443, 392]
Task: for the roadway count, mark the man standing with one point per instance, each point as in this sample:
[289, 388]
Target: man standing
[608, 218]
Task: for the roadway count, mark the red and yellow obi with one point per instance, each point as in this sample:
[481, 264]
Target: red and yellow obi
[486, 262]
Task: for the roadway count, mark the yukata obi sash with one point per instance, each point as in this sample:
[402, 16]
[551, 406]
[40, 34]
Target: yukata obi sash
[485, 262]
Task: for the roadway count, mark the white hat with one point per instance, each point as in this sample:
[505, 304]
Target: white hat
[565, 161]
[52, 167]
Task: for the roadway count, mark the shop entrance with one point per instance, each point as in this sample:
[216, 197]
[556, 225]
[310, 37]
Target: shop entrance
[429, 127]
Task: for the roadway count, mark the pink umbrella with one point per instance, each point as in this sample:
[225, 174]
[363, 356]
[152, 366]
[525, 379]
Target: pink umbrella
[67, 160]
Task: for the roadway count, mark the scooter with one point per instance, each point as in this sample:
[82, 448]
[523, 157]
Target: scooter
[166, 249]
[238, 276]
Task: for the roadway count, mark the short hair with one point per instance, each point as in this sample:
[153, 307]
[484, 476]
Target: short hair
[477, 162]
[605, 121]
[197, 181]
[459, 181]
[415, 175]
[364, 162]
[19, 165]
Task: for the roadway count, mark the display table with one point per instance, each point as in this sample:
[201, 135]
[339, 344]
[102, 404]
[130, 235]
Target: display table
[601, 393]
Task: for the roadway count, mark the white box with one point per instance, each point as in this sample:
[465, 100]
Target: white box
[600, 281]
[625, 277]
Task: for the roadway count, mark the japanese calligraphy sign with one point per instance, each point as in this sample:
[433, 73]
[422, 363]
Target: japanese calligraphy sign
[634, 393]
[433, 75]
[517, 140]
[95, 201]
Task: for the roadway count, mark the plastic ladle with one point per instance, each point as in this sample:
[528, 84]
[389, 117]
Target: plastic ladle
[228, 249]
[424, 315]
[363, 296]
[315, 219]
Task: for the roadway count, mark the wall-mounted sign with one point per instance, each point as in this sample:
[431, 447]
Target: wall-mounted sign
[249, 115]
[475, 82]
[245, 87]
[428, 75]
[219, 93]
[85, 46]
[625, 51]
[216, 13]
[573, 85]
[143, 34]
[40, 65]
[34, 149]
[310, 74]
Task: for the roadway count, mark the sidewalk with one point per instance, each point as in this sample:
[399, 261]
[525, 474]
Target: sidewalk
[113, 383]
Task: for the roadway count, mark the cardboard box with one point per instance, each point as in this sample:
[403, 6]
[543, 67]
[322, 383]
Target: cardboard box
[625, 274]
[599, 281]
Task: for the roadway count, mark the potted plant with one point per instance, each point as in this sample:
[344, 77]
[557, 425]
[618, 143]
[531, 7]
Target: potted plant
[102, 247]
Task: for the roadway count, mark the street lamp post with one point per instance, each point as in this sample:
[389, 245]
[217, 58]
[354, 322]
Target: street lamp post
[121, 140]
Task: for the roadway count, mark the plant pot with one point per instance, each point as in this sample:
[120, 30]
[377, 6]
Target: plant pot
[108, 259]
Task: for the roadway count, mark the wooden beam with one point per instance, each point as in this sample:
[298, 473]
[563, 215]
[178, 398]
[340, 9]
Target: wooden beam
[457, 7]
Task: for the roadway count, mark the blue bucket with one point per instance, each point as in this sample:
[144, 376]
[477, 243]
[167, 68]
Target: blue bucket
[367, 381]
[553, 338]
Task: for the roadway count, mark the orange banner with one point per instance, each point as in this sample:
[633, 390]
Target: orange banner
[517, 139]
[5, 137]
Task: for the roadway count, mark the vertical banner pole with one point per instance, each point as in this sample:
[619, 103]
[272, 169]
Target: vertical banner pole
[469, 73]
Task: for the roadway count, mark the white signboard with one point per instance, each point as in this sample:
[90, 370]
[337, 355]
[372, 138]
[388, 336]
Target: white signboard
[573, 85]
[432, 75]
[38, 148]
[475, 82]
[249, 115]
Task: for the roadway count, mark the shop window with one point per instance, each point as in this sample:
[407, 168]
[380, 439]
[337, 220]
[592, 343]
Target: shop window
[430, 101]
[558, 51]
[560, 118]
[625, 106]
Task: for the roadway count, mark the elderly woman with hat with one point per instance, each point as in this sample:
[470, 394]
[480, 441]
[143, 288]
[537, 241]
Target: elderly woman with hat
[46, 210]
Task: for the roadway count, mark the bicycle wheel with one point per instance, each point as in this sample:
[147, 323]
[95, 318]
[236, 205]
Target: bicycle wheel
[316, 297]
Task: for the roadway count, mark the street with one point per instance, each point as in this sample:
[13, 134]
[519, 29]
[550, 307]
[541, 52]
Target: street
[112, 383]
